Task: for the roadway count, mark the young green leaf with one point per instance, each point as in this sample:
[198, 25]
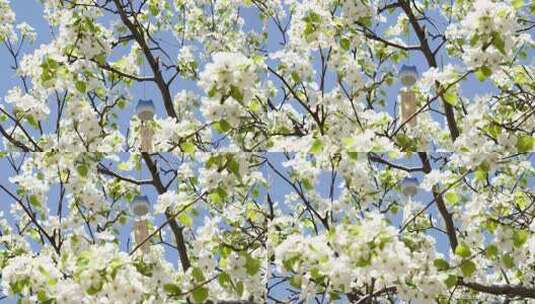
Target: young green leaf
[172, 289]
[82, 170]
[451, 197]
[451, 97]
[441, 264]
[463, 250]
[200, 294]
[468, 268]
[483, 73]
[524, 143]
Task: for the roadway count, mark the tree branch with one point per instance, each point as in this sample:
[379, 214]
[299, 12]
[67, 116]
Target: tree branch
[509, 290]
[102, 169]
[153, 62]
[431, 61]
[175, 228]
[441, 205]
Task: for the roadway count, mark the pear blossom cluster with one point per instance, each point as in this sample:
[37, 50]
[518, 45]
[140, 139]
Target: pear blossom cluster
[99, 273]
[228, 70]
[7, 18]
[229, 82]
[489, 28]
[354, 254]
[357, 11]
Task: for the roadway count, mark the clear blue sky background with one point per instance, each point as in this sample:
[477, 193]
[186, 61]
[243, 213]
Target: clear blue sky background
[31, 12]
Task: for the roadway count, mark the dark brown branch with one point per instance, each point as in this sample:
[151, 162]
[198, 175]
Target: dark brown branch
[12, 140]
[441, 205]
[175, 228]
[139, 36]
[508, 290]
[431, 61]
[102, 169]
[30, 214]
[377, 159]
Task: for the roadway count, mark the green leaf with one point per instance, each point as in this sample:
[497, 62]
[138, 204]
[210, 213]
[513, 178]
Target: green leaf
[212, 92]
[451, 281]
[295, 281]
[154, 10]
[481, 173]
[450, 97]
[309, 29]
[236, 93]
[101, 59]
[312, 17]
[224, 280]
[116, 264]
[35, 201]
[520, 237]
[524, 143]
[215, 198]
[406, 143]
[32, 121]
[290, 263]
[188, 147]
[19, 285]
[94, 289]
[185, 219]
[295, 76]
[254, 106]
[81, 86]
[367, 21]
[121, 103]
[240, 288]
[41, 296]
[252, 265]
[491, 251]
[334, 296]
[234, 167]
[441, 264]
[517, 3]
[82, 170]
[468, 268]
[197, 274]
[172, 289]
[451, 197]
[317, 146]
[494, 130]
[508, 261]
[344, 42]
[483, 73]
[200, 294]
[463, 250]
[521, 199]
[316, 274]
[222, 126]
[123, 166]
[498, 42]
[474, 40]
